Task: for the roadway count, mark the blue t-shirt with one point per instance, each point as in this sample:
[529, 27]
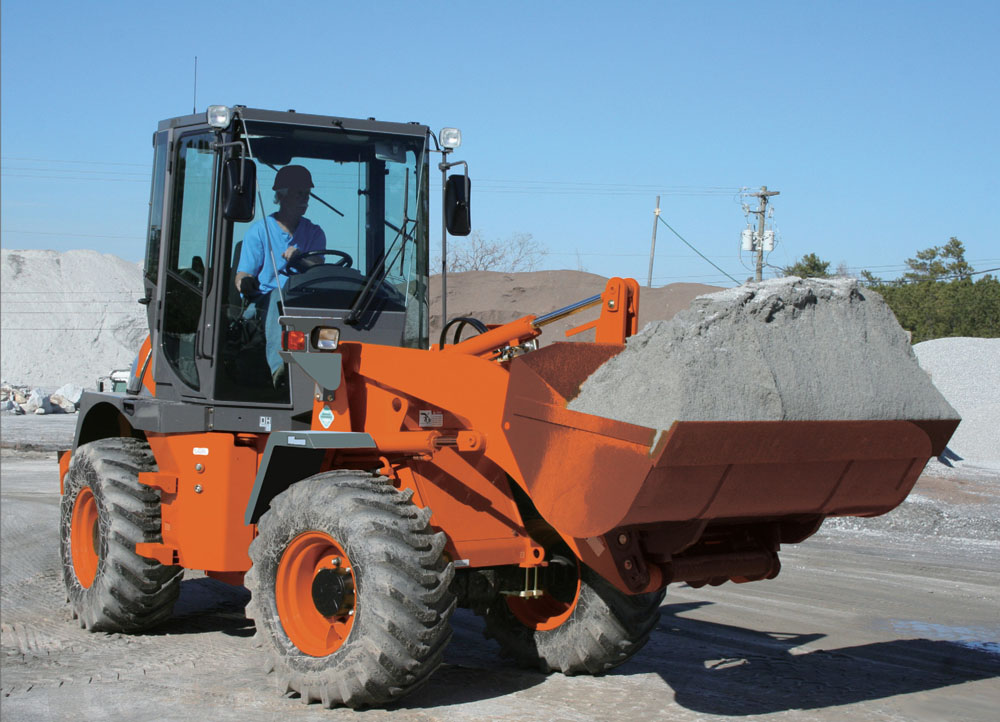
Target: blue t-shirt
[255, 258]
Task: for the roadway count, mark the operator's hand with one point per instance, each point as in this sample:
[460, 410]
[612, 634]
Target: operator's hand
[289, 252]
[249, 286]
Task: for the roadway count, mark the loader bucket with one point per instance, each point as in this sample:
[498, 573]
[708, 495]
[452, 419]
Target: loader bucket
[588, 475]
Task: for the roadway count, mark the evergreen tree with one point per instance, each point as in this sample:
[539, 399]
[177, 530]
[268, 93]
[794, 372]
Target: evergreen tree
[939, 262]
[809, 266]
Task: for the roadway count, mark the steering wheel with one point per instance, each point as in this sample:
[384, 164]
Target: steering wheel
[292, 267]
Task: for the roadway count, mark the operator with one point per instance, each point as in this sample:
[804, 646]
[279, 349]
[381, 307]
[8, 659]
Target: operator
[290, 234]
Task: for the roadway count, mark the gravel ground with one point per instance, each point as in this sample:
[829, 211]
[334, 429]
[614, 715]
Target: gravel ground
[892, 618]
[49, 432]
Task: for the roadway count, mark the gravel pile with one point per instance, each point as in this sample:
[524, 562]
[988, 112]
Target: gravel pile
[967, 372]
[783, 349]
[68, 317]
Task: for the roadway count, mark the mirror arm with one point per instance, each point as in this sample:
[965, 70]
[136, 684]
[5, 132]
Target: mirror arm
[243, 158]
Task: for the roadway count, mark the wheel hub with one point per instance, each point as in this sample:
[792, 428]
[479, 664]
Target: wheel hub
[315, 593]
[333, 592]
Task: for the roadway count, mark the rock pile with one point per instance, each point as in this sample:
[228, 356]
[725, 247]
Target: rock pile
[26, 400]
[784, 349]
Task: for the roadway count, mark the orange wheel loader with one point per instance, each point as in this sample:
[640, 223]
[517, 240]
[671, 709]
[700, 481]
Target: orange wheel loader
[377, 477]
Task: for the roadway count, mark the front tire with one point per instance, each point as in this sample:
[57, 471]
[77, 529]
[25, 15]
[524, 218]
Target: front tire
[350, 590]
[104, 513]
[589, 632]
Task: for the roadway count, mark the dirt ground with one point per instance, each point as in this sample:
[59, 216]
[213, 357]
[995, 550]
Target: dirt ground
[896, 618]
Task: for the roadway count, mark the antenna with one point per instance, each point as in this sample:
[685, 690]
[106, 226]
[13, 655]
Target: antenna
[194, 108]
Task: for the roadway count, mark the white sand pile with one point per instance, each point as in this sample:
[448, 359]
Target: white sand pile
[782, 349]
[68, 317]
[967, 372]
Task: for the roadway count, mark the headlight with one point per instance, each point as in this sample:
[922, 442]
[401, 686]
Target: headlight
[325, 339]
[450, 137]
[219, 116]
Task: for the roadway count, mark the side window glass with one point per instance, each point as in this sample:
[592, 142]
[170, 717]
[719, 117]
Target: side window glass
[192, 209]
[156, 206]
[190, 246]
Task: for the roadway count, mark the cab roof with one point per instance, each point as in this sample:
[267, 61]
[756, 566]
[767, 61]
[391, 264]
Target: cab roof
[293, 118]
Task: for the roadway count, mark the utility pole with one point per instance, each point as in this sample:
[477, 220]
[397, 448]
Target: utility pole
[762, 197]
[652, 247]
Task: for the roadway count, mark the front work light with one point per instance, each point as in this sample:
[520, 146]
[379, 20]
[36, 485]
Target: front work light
[450, 138]
[219, 116]
[325, 339]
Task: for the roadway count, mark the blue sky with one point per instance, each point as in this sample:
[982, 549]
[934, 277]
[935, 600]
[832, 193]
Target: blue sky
[877, 121]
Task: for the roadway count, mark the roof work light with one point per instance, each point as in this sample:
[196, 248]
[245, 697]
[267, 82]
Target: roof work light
[450, 138]
[219, 116]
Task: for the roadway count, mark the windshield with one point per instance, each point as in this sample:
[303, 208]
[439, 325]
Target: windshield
[367, 202]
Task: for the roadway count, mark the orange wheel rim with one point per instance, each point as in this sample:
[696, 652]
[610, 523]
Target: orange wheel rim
[315, 592]
[547, 611]
[85, 537]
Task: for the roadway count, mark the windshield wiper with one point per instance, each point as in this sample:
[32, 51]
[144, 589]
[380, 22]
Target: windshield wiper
[382, 268]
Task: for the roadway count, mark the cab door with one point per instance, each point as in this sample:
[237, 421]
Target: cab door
[186, 271]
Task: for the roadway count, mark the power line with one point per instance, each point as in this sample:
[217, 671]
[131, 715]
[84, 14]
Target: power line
[75, 235]
[957, 276]
[697, 251]
[77, 170]
[80, 162]
[69, 178]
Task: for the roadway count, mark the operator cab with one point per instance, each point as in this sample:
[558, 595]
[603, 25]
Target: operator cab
[212, 182]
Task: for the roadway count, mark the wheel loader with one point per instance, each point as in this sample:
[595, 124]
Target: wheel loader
[386, 477]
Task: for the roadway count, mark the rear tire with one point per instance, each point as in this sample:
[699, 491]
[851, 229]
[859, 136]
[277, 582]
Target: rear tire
[595, 632]
[350, 591]
[105, 512]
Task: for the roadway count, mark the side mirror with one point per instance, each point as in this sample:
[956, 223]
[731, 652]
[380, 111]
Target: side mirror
[458, 215]
[239, 179]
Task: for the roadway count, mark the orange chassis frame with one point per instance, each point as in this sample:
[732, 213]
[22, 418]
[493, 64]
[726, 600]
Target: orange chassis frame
[462, 469]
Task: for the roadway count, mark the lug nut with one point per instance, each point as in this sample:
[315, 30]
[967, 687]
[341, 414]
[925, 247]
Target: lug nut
[628, 564]
[198, 489]
[623, 539]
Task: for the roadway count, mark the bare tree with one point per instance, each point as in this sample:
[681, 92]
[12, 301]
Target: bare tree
[520, 252]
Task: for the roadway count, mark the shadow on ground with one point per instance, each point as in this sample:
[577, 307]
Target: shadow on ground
[712, 668]
[728, 670]
[208, 605]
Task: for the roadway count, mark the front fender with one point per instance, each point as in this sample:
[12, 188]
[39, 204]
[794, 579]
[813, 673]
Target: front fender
[291, 456]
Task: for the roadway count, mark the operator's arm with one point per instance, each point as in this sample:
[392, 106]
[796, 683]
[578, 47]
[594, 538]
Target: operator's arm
[251, 263]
